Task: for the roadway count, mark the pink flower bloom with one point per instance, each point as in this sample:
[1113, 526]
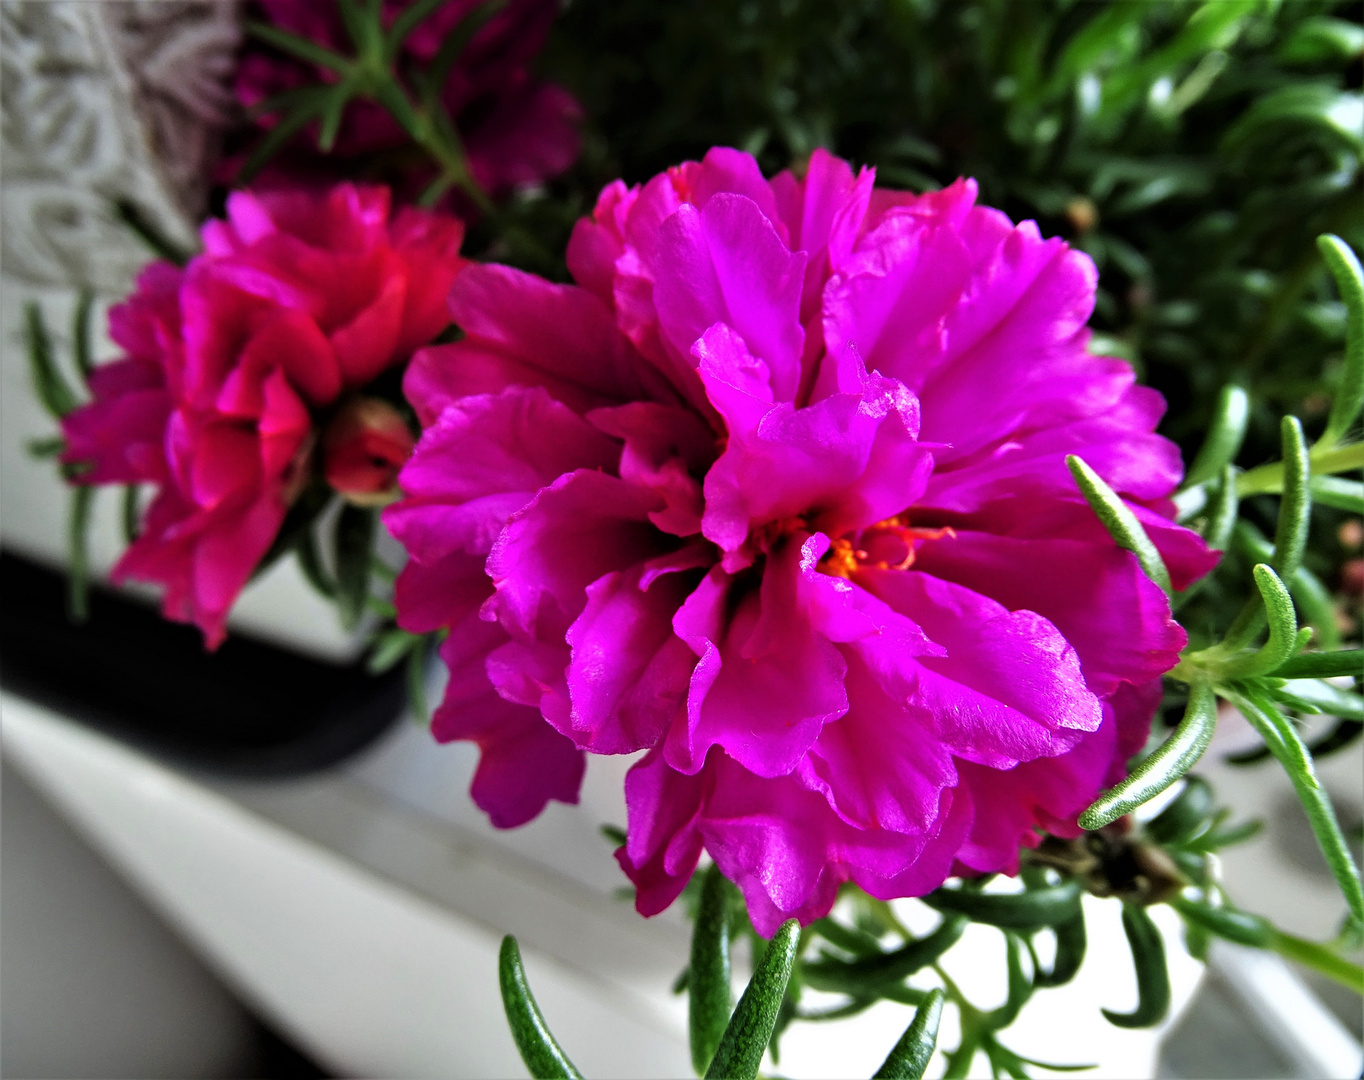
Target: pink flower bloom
[515, 128]
[297, 300]
[777, 493]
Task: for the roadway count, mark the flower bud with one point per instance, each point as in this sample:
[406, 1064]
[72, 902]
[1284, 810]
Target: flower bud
[364, 446]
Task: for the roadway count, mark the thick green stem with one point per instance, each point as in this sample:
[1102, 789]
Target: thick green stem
[1268, 479]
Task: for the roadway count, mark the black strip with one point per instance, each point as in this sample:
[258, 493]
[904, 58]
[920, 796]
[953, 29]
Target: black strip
[248, 709]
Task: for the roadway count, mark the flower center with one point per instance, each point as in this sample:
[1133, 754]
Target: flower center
[887, 545]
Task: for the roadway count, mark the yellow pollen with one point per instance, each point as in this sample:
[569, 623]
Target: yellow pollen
[843, 556]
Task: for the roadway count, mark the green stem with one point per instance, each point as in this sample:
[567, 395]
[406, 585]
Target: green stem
[1319, 958]
[1268, 479]
[1285, 744]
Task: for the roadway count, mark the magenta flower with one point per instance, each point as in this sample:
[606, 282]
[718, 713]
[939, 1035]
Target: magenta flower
[516, 129]
[777, 493]
[297, 300]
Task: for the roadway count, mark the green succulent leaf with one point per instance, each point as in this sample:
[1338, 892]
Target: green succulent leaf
[1120, 522]
[1185, 814]
[1295, 508]
[354, 539]
[132, 514]
[876, 972]
[745, 1038]
[390, 648]
[1315, 696]
[80, 333]
[1011, 911]
[1238, 926]
[52, 390]
[1071, 942]
[1347, 495]
[310, 562]
[910, 1056]
[1283, 630]
[539, 1050]
[1224, 439]
[299, 47]
[1171, 760]
[1153, 978]
[1322, 664]
[708, 984]
[78, 553]
[1020, 985]
[1349, 397]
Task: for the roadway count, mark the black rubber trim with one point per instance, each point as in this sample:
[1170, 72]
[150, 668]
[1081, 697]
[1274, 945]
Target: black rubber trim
[248, 709]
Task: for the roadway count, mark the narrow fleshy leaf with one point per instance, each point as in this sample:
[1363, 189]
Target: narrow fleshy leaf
[438, 72]
[132, 514]
[1071, 942]
[542, 1055]
[708, 984]
[1321, 697]
[910, 1057]
[1283, 741]
[847, 938]
[1349, 398]
[1171, 760]
[80, 333]
[1216, 839]
[1019, 983]
[354, 554]
[78, 553]
[1313, 599]
[1238, 926]
[310, 563]
[1120, 522]
[140, 225]
[1011, 911]
[1295, 506]
[274, 139]
[745, 1038]
[45, 448]
[1153, 978]
[1347, 495]
[361, 20]
[1185, 813]
[1225, 436]
[389, 649]
[332, 114]
[408, 20]
[859, 976]
[56, 396]
[301, 47]
[1317, 607]
[1222, 515]
[1283, 629]
[1219, 526]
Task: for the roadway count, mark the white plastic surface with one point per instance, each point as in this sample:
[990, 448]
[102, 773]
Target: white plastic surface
[376, 980]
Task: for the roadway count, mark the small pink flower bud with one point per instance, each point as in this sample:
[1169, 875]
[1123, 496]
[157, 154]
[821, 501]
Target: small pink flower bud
[364, 447]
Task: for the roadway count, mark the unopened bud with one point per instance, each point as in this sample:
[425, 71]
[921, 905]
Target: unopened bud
[363, 449]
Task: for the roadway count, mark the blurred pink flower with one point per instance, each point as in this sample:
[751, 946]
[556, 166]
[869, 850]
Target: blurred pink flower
[515, 128]
[777, 493]
[297, 300]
